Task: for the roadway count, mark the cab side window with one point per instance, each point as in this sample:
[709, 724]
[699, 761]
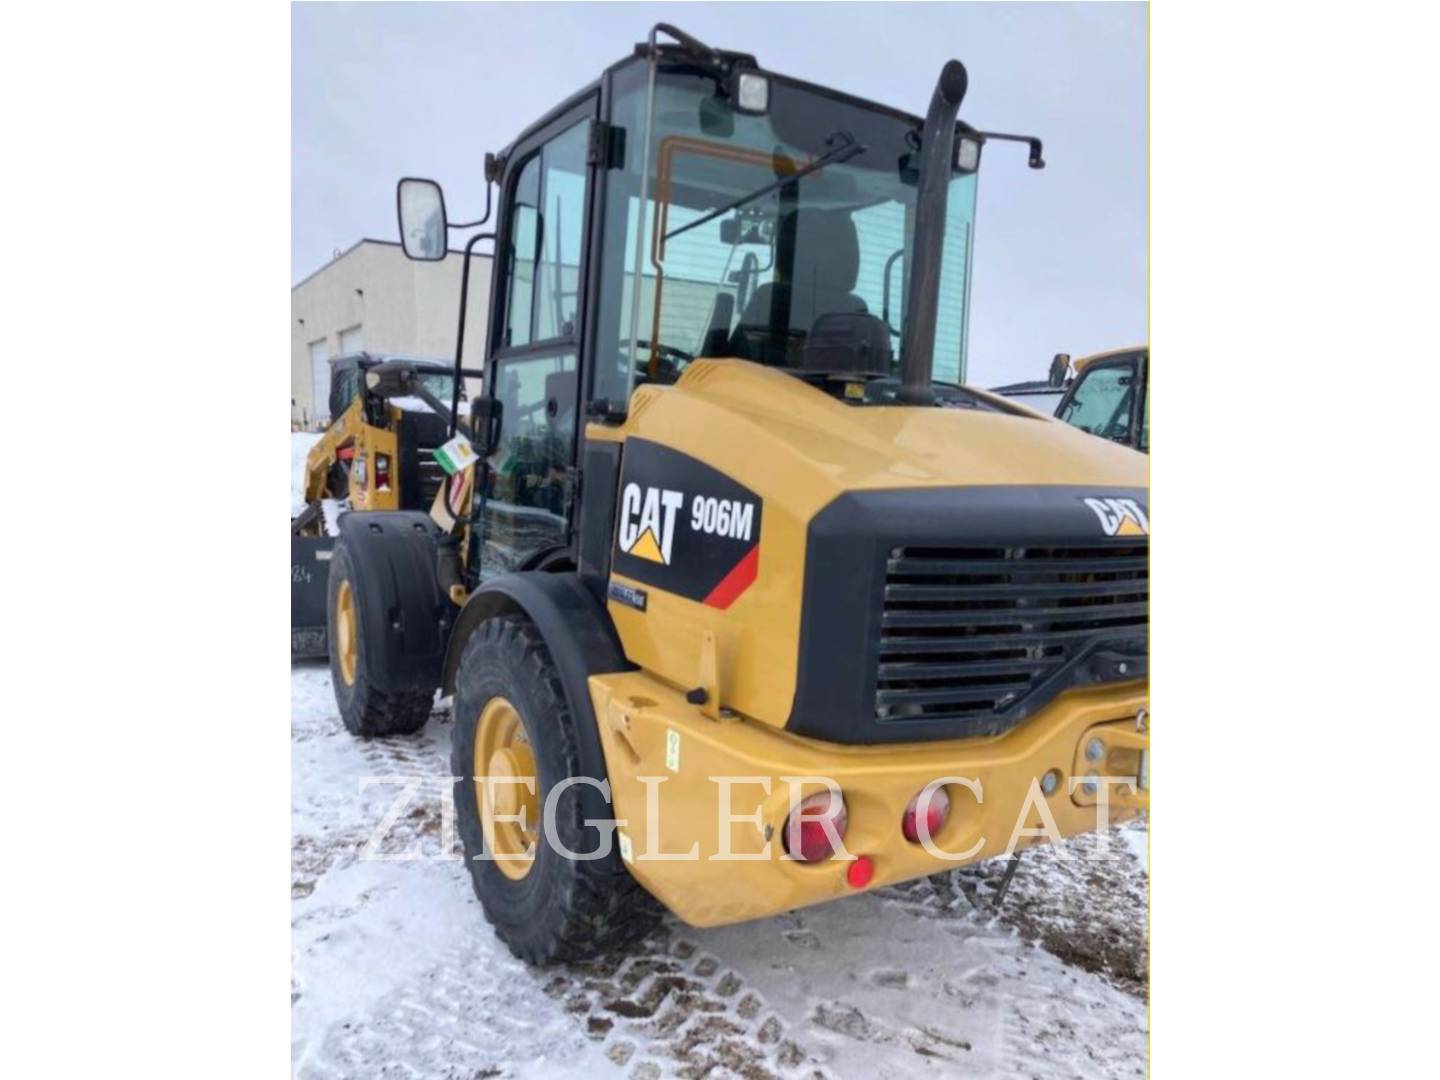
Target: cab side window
[546, 234]
[523, 254]
[346, 386]
[562, 216]
[531, 481]
[1144, 443]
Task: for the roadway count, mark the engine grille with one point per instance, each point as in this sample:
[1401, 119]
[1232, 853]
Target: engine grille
[970, 633]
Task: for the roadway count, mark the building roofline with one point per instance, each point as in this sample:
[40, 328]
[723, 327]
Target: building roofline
[384, 243]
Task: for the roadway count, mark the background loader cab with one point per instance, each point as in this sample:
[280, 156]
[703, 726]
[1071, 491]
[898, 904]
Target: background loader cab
[728, 510]
[1110, 397]
[377, 453]
[347, 380]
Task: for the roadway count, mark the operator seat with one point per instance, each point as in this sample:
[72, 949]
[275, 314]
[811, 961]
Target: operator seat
[817, 262]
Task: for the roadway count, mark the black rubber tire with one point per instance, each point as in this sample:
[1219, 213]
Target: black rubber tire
[563, 910]
[366, 710]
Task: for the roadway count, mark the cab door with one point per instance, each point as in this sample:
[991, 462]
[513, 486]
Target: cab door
[540, 264]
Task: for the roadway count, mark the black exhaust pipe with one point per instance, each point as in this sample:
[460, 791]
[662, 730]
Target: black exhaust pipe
[937, 156]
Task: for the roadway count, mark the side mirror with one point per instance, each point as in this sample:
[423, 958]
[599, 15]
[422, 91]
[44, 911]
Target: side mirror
[423, 226]
[1059, 368]
[485, 425]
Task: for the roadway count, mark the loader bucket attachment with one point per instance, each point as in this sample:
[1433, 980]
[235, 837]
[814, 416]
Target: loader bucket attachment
[309, 580]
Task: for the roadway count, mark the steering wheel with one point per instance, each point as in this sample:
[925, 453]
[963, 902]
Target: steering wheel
[670, 360]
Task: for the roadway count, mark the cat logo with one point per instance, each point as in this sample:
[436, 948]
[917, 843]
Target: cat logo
[1120, 517]
[684, 528]
[647, 522]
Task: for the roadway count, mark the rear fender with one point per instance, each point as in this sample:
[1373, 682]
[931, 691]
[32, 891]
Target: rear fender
[404, 614]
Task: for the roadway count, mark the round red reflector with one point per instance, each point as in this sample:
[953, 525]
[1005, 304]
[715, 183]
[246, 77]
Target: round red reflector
[860, 872]
[809, 827]
[936, 814]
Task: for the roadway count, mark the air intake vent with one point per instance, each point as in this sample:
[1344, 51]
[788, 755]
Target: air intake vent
[970, 633]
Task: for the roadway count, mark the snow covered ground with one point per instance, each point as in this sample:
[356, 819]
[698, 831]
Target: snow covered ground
[397, 973]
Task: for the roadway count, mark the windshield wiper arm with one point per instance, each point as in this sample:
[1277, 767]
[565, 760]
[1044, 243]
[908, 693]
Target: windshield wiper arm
[844, 152]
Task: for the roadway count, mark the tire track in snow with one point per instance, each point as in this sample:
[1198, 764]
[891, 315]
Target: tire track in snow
[672, 1005]
[663, 1007]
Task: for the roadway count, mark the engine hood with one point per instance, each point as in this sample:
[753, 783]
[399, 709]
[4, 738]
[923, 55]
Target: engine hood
[730, 482]
[744, 418]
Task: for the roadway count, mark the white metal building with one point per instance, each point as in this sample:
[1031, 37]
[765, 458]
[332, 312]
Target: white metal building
[372, 298]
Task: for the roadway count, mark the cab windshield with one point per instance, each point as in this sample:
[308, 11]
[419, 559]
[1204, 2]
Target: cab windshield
[754, 226]
[442, 386]
[1103, 400]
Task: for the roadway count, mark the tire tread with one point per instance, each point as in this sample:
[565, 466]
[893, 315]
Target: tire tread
[604, 907]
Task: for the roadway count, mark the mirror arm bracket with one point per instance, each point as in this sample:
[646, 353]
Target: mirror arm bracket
[1037, 160]
[489, 195]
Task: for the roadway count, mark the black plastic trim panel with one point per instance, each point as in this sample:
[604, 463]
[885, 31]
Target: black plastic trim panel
[849, 545]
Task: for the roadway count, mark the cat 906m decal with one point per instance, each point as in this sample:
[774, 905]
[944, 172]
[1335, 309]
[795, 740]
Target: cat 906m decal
[684, 527]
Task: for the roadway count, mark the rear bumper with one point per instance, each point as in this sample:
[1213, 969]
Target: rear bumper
[696, 835]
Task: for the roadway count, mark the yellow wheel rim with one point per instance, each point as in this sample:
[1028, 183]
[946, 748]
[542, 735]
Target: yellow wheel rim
[346, 635]
[506, 788]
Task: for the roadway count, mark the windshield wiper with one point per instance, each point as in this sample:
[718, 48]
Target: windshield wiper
[844, 152]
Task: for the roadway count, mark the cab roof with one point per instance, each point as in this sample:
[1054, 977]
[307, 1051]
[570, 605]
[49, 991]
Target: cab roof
[1110, 354]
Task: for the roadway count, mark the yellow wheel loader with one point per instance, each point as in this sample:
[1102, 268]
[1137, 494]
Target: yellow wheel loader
[745, 601]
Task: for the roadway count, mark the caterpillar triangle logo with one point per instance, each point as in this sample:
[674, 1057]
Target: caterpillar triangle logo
[647, 547]
[1120, 517]
[1129, 528]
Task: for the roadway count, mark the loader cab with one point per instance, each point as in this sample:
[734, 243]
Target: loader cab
[1110, 397]
[347, 377]
[696, 206]
[713, 251]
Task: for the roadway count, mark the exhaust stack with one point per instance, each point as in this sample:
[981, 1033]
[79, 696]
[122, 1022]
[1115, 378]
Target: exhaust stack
[937, 156]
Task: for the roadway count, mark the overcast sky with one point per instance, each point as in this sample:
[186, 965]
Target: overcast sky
[385, 90]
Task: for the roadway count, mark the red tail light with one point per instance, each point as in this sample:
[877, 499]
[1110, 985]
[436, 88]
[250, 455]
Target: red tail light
[806, 836]
[382, 472]
[937, 812]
